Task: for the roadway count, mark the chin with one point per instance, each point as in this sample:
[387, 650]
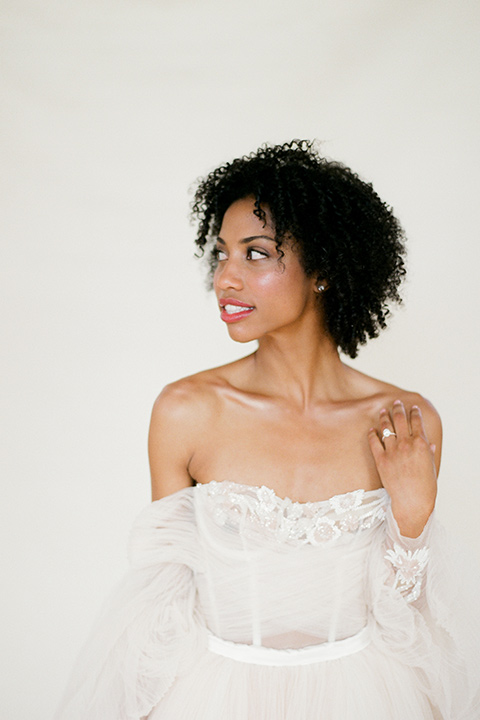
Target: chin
[242, 337]
[242, 334]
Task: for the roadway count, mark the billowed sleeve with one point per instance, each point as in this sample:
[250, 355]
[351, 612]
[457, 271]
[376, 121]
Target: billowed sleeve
[150, 631]
[422, 596]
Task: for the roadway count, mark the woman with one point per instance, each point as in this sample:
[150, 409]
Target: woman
[290, 565]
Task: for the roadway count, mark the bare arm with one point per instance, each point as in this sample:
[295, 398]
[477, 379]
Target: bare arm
[171, 439]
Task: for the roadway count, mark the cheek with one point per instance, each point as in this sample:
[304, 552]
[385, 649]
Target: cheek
[270, 281]
[287, 286]
[278, 277]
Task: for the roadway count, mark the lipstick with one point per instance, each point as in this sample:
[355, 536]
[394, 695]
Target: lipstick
[233, 310]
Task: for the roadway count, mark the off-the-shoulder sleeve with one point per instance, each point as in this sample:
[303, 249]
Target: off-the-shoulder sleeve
[149, 632]
[421, 594]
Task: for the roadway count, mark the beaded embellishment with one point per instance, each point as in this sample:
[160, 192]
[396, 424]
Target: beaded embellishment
[313, 523]
[409, 569]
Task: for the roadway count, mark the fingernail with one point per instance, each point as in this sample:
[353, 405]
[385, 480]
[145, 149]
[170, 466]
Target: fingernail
[415, 407]
[397, 402]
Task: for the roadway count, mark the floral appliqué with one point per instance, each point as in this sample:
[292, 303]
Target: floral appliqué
[409, 568]
[311, 523]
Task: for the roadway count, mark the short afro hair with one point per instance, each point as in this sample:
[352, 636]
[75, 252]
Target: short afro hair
[343, 231]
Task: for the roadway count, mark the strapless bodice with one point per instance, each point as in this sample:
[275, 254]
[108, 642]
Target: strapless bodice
[282, 573]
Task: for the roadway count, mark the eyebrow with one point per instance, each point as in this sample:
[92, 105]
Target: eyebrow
[243, 241]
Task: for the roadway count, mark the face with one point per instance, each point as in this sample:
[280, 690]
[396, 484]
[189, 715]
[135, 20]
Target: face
[258, 290]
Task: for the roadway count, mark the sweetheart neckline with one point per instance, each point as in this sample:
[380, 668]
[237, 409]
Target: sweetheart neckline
[309, 503]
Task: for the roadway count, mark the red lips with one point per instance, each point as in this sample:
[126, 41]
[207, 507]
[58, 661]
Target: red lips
[236, 316]
[232, 301]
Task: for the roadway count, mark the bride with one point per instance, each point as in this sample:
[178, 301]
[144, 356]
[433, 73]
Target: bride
[290, 565]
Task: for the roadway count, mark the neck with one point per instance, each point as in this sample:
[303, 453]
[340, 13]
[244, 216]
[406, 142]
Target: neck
[302, 366]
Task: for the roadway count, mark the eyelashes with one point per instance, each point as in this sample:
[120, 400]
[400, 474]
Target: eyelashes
[218, 254]
[252, 251]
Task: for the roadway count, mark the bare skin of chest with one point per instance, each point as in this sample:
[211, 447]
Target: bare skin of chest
[222, 425]
[304, 455]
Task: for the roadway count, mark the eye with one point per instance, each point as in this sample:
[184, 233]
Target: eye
[219, 254]
[253, 254]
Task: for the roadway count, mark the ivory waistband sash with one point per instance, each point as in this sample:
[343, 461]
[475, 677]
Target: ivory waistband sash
[260, 655]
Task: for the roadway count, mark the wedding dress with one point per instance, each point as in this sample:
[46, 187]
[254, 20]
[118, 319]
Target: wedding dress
[241, 605]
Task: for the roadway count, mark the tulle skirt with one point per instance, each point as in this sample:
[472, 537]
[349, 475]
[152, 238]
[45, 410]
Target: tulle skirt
[366, 685]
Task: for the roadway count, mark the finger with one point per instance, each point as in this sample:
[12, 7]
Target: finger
[400, 421]
[387, 432]
[416, 422]
[376, 445]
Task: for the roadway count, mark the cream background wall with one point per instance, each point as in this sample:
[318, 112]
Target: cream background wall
[111, 109]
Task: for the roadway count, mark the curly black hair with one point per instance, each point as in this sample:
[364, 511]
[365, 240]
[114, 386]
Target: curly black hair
[343, 231]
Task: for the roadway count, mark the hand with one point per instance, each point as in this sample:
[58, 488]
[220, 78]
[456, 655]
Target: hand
[406, 466]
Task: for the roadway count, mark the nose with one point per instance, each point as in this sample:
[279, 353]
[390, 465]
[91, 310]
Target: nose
[228, 275]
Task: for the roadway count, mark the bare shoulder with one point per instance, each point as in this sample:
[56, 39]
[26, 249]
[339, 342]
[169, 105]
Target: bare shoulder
[181, 413]
[191, 399]
[181, 401]
[381, 394]
[431, 418]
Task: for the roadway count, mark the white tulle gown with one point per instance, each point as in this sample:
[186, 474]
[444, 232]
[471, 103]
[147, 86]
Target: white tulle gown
[241, 605]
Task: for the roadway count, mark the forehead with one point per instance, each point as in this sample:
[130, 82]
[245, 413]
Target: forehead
[240, 221]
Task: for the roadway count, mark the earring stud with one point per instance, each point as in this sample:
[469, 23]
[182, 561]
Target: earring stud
[320, 288]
